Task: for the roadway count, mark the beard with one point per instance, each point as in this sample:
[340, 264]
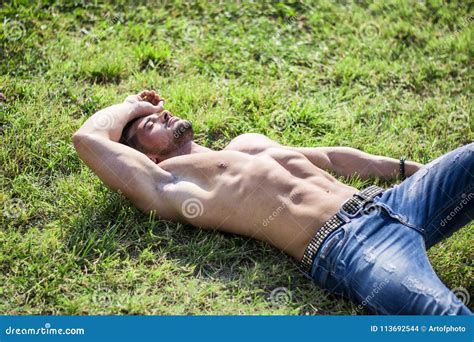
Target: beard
[182, 134]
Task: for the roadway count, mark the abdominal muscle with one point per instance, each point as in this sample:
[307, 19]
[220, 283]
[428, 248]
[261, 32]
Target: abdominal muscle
[260, 197]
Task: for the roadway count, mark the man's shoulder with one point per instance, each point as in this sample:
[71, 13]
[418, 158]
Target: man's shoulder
[247, 136]
[251, 143]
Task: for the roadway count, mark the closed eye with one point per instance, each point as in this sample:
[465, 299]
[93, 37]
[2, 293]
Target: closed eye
[148, 123]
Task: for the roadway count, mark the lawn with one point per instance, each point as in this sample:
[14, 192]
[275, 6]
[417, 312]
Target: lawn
[388, 77]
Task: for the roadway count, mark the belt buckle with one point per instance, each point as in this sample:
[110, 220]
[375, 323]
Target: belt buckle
[365, 205]
[347, 214]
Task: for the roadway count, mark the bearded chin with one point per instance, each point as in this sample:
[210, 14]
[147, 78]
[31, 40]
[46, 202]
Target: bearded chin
[183, 133]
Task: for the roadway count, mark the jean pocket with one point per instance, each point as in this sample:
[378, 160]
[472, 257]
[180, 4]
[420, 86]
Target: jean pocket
[330, 250]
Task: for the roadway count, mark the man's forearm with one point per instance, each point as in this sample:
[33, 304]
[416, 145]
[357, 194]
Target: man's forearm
[109, 122]
[349, 161]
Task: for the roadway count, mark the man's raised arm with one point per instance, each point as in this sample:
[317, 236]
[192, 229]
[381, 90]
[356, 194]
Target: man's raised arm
[348, 161]
[118, 166]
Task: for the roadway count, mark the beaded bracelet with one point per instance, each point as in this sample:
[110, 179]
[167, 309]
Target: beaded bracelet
[402, 168]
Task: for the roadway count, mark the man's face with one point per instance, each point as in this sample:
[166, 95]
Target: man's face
[162, 134]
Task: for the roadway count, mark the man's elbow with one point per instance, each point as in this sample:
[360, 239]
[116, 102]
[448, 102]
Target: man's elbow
[76, 139]
[79, 140]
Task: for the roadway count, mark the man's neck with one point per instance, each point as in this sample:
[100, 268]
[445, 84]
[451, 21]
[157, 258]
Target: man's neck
[188, 148]
[196, 148]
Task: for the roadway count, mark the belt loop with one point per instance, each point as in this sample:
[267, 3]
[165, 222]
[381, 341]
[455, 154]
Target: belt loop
[343, 217]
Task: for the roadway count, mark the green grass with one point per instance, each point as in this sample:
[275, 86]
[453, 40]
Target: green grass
[391, 78]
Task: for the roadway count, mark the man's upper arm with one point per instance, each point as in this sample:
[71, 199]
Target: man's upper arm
[126, 170]
[318, 156]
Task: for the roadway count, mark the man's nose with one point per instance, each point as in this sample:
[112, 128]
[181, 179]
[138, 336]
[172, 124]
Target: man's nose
[165, 116]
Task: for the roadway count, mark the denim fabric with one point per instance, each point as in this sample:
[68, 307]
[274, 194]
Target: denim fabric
[378, 259]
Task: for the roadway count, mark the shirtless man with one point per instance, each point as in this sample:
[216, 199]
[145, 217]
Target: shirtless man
[350, 244]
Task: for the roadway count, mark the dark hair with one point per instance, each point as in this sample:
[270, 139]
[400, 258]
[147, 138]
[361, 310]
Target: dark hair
[131, 139]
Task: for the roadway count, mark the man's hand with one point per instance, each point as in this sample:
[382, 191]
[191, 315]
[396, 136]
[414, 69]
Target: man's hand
[145, 103]
[151, 96]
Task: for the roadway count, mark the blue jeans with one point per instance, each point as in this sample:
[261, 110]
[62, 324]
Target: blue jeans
[378, 258]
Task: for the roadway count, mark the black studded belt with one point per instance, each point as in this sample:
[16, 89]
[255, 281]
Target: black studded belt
[352, 207]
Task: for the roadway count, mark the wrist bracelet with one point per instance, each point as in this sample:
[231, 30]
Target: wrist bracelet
[402, 169]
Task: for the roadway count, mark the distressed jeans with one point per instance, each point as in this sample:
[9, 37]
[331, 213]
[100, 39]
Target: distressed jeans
[378, 257]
